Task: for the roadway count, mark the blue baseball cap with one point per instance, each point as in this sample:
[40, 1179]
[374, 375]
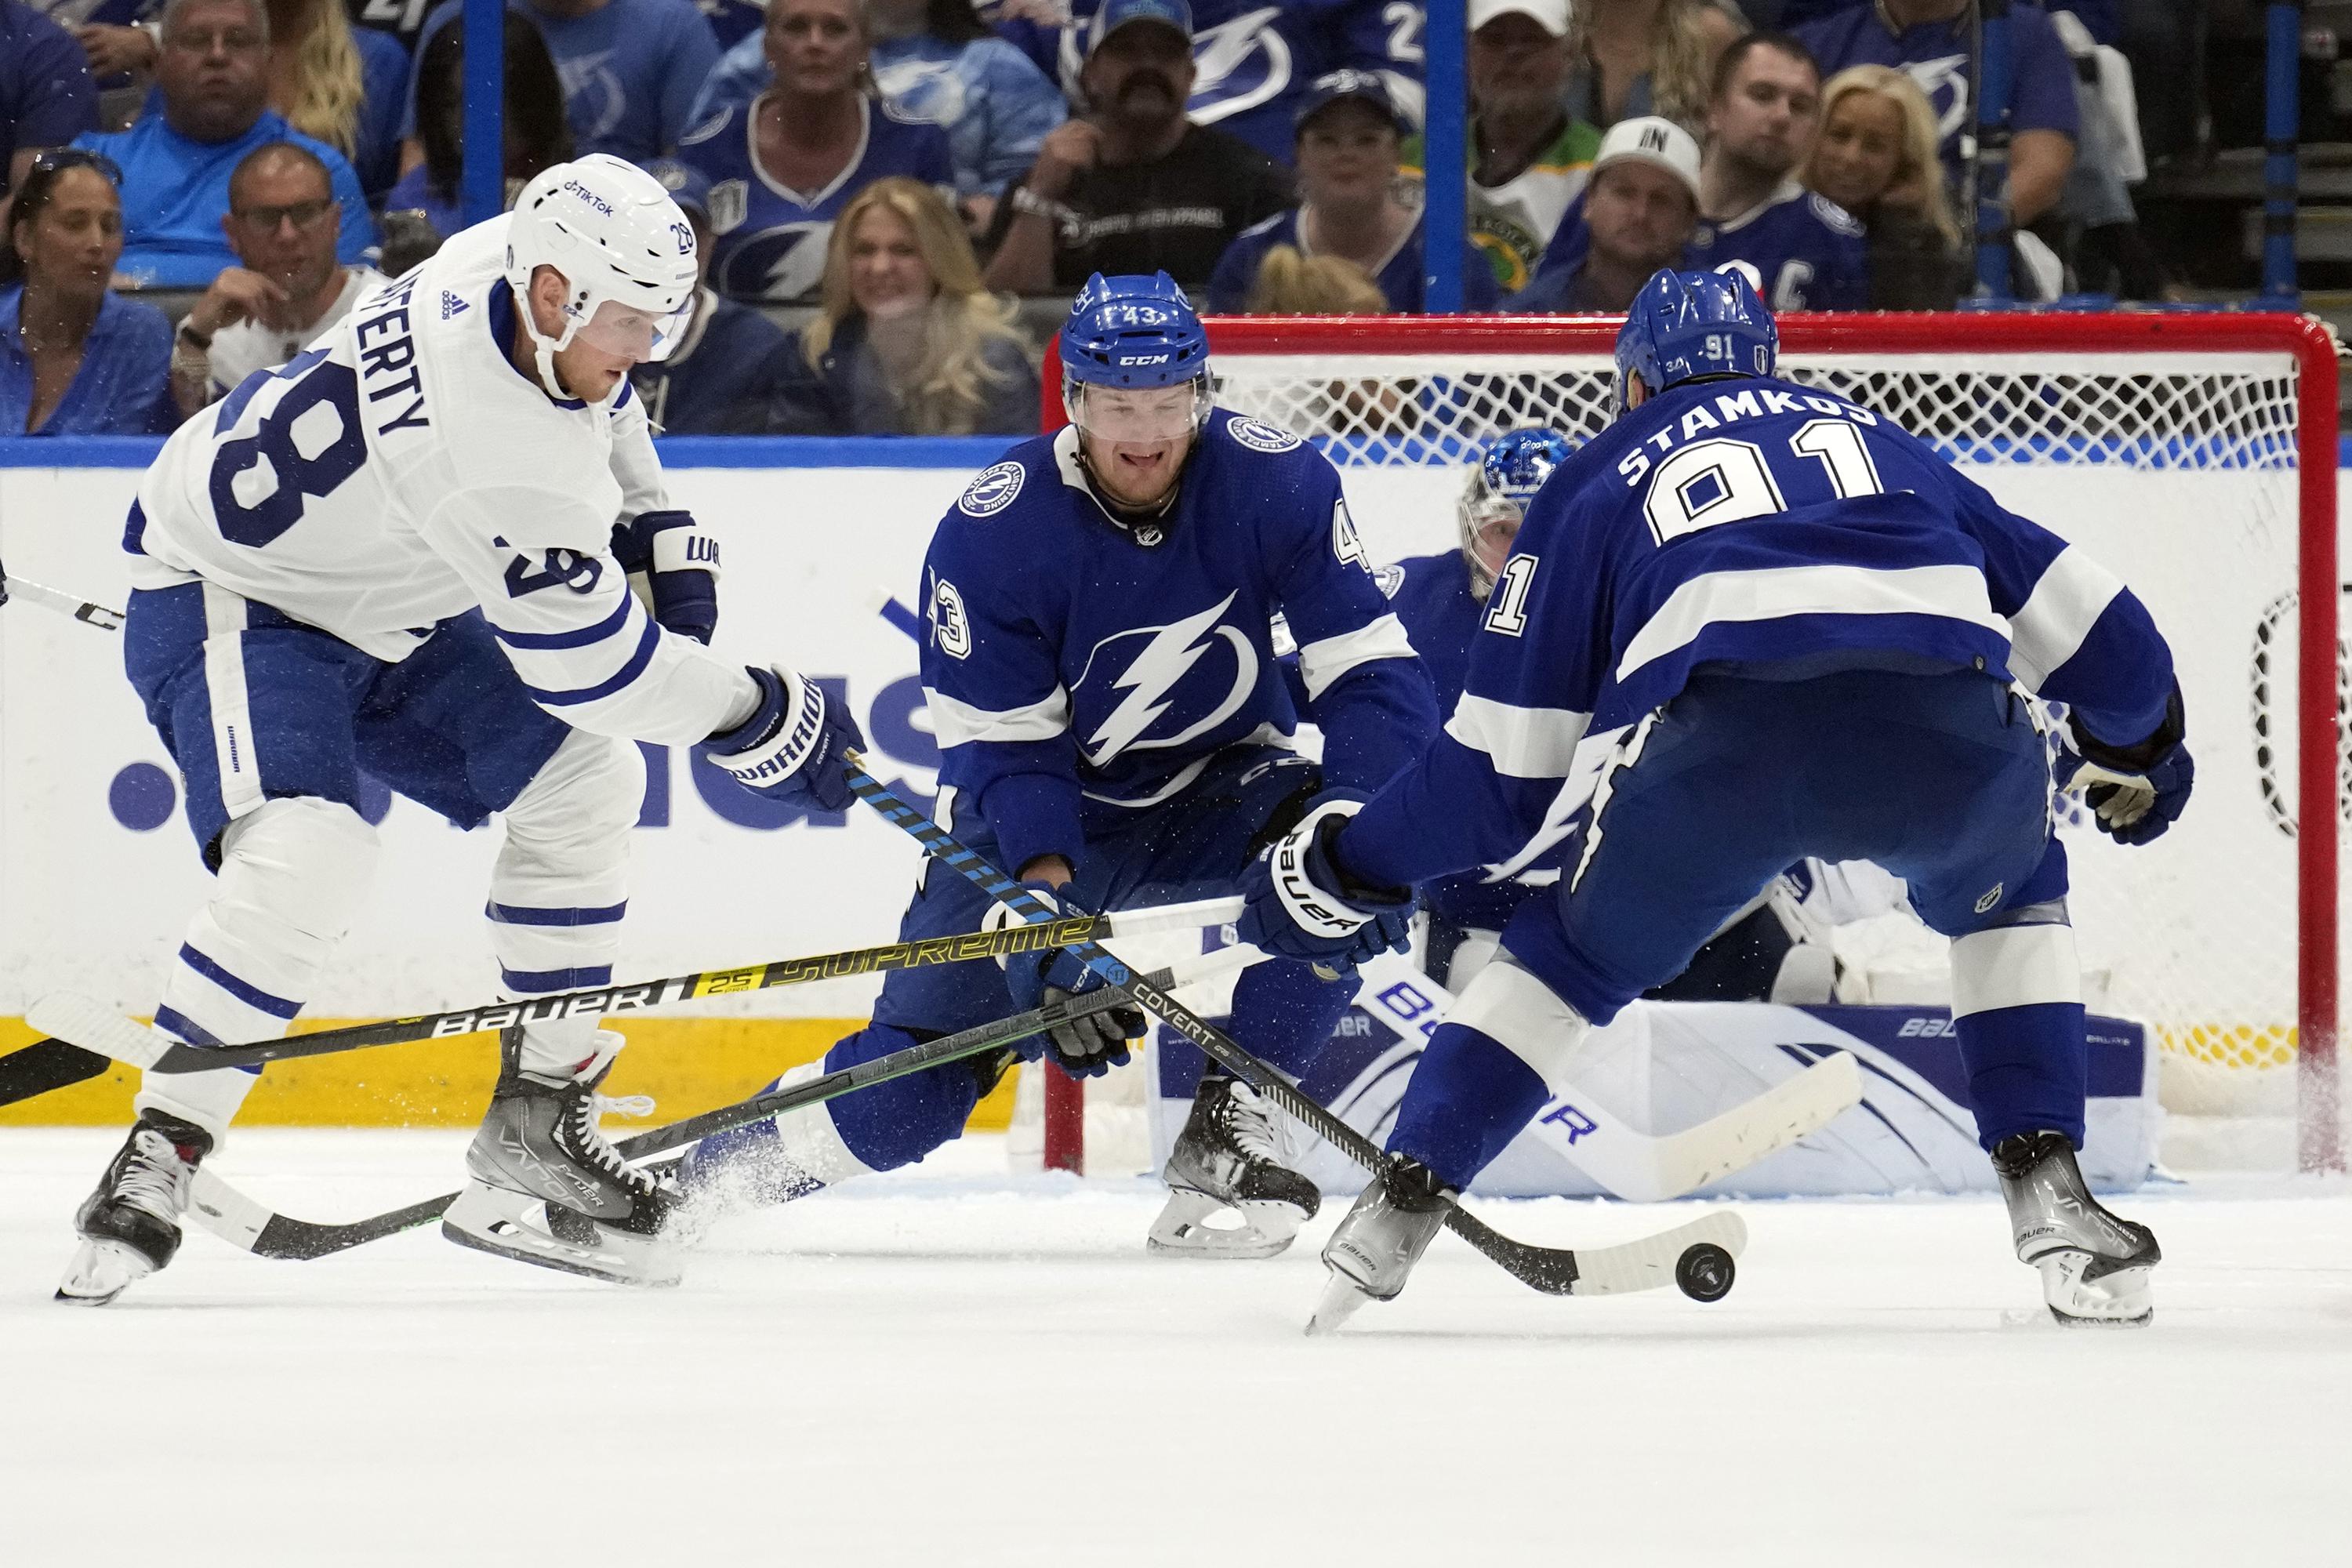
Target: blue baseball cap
[688, 186]
[1337, 86]
[1118, 13]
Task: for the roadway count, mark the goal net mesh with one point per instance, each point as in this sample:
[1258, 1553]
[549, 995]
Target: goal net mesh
[2176, 468]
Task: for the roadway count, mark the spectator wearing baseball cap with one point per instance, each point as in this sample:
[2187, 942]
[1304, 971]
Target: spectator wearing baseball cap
[730, 364]
[1348, 133]
[1528, 156]
[1131, 185]
[1640, 208]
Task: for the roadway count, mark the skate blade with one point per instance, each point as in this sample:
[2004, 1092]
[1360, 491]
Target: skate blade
[1342, 1300]
[514, 1226]
[2123, 1299]
[101, 1271]
[1183, 1229]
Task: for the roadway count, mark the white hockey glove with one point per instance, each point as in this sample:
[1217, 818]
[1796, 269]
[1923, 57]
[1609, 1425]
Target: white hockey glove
[793, 746]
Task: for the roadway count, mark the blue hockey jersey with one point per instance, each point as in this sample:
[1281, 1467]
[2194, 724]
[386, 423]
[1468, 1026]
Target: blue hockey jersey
[1252, 63]
[1755, 524]
[769, 242]
[1802, 251]
[1069, 659]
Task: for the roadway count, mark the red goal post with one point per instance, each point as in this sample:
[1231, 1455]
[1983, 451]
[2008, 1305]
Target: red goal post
[2194, 453]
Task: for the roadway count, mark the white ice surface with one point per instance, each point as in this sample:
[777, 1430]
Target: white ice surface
[949, 1367]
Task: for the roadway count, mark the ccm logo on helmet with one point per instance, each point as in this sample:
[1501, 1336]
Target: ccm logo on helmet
[1151, 359]
[574, 187]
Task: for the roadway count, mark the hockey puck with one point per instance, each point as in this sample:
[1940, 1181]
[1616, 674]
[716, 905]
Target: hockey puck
[1705, 1272]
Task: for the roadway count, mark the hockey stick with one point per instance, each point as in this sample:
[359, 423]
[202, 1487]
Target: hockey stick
[1636, 1165]
[1696, 1258]
[253, 1226]
[64, 604]
[103, 1036]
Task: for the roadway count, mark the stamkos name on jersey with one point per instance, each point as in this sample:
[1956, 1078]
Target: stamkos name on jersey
[395, 352]
[1730, 409]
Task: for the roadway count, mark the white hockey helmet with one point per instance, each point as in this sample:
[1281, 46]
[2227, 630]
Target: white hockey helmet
[623, 247]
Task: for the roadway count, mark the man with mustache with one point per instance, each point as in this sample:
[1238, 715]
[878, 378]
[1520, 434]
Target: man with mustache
[1131, 186]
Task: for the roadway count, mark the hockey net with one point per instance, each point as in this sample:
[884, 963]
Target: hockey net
[2194, 455]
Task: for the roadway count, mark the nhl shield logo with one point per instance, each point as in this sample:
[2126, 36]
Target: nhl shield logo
[729, 200]
[993, 491]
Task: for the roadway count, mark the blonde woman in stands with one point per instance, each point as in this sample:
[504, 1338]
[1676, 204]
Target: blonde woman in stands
[1646, 56]
[1292, 284]
[907, 341]
[341, 84]
[1876, 158]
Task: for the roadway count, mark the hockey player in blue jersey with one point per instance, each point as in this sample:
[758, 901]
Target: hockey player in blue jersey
[1102, 680]
[1809, 634]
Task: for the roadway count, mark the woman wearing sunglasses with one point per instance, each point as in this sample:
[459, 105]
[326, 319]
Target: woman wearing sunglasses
[76, 358]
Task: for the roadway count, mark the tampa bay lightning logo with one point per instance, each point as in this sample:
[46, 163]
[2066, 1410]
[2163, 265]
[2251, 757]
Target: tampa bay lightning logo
[1260, 437]
[594, 99]
[992, 491]
[930, 92]
[786, 262]
[1237, 65]
[1157, 687]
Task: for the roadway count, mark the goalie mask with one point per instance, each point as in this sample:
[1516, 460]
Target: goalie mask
[1494, 498]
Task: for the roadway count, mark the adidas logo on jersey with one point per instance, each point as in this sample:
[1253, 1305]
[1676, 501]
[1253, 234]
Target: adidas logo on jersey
[451, 305]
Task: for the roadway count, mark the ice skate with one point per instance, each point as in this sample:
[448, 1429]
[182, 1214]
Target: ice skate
[131, 1226]
[547, 1188]
[2095, 1267]
[1382, 1237]
[1230, 1158]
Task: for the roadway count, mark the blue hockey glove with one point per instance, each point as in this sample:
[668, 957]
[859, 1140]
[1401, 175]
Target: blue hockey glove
[793, 748]
[1299, 902]
[2134, 792]
[1088, 1046]
[677, 566]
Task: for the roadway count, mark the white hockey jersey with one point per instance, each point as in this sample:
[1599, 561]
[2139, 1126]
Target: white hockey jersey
[401, 470]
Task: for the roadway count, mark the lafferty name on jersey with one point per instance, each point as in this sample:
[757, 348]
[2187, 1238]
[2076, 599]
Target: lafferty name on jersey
[388, 368]
[1730, 409]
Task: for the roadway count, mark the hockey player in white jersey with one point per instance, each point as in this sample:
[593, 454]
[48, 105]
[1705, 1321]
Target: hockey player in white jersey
[409, 552]
[1810, 632]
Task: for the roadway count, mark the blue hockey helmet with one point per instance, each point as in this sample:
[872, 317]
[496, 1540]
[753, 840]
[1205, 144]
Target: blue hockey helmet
[1506, 477]
[1135, 336]
[1685, 325]
[1133, 332]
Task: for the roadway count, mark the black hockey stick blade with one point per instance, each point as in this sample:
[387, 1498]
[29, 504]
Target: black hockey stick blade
[46, 1065]
[253, 1226]
[1635, 1266]
[99, 1029]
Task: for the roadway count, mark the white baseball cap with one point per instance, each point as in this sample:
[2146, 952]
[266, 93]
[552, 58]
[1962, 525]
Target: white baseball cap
[1551, 16]
[1650, 139]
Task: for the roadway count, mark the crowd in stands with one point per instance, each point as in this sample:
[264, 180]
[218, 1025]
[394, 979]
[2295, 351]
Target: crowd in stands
[878, 176]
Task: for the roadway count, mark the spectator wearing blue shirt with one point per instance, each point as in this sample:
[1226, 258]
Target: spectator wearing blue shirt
[538, 135]
[783, 166]
[728, 365]
[47, 98]
[76, 359]
[214, 77]
[631, 71]
[936, 63]
[1800, 250]
[1348, 134]
[1932, 41]
[346, 86]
